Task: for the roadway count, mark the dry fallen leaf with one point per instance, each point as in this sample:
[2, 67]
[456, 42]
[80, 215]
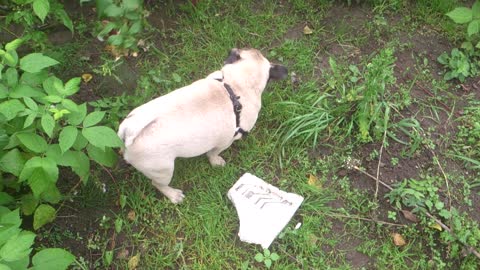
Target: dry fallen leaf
[87, 77]
[436, 226]
[307, 30]
[410, 216]
[131, 215]
[123, 254]
[398, 240]
[116, 52]
[313, 181]
[133, 262]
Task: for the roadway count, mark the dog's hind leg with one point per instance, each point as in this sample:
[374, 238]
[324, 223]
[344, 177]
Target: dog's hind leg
[161, 178]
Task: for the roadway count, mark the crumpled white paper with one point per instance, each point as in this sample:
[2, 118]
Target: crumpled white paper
[263, 209]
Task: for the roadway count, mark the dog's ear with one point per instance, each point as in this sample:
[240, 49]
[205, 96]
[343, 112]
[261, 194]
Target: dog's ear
[233, 56]
[278, 72]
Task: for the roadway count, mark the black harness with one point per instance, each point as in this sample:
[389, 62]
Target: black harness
[237, 109]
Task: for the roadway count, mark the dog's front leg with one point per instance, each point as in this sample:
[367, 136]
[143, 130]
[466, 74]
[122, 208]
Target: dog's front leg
[214, 158]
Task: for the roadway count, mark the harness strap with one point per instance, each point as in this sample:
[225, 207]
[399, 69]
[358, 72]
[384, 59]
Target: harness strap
[237, 109]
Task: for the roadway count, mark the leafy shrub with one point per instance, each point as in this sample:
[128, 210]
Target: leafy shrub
[459, 65]
[124, 21]
[16, 246]
[466, 62]
[354, 102]
[32, 13]
[42, 129]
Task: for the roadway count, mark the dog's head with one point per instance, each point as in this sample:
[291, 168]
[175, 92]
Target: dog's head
[252, 66]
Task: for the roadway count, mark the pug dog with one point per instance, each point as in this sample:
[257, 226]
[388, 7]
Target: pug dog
[206, 116]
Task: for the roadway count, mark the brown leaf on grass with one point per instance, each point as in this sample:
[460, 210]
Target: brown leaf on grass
[133, 262]
[398, 240]
[131, 215]
[116, 52]
[307, 30]
[123, 254]
[86, 77]
[313, 181]
[410, 216]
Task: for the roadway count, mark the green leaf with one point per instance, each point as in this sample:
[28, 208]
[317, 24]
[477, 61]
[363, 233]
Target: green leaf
[266, 252]
[11, 58]
[64, 18]
[41, 8]
[460, 15]
[259, 257]
[113, 11]
[268, 263]
[72, 86]
[29, 204]
[80, 143]
[82, 168]
[12, 162]
[21, 264]
[11, 77]
[118, 225]
[3, 91]
[476, 10]
[70, 105]
[4, 267]
[30, 103]
[274, 256]
[17, 247]
[49, 85]
[135, 28]
[107, 29]
[29, 120]
[53, 99]
[14, 44]
[115, 40]
[77, 117]
[105, 157]
[93, 118]
[43, 214]
[34, 79]
[8, 230]
[52, 259]
[51, 194]
[35, 62]
[33, 142]
[5, 198]
[67, 137]
[45, 164]
[11, 217]
[24, 90]
[131, 4]
[102, 136]
[48, 124]
[473, 27]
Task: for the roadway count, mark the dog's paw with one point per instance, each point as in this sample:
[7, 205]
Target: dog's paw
[217, 161]
[176, 196]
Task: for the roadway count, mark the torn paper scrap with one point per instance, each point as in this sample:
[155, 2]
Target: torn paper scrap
[263, 210]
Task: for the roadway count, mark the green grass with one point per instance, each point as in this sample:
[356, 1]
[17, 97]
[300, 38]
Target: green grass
[340, 215]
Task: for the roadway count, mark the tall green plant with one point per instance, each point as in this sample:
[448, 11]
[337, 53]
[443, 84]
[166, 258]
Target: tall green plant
[122, 25]
[41, 128]
[353, 103]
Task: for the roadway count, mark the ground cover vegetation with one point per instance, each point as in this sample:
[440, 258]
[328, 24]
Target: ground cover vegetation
[377, 126]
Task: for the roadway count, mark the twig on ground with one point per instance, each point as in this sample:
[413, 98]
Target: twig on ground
[379, 163]
[445, 177]
[367, 219]
[373, 177]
